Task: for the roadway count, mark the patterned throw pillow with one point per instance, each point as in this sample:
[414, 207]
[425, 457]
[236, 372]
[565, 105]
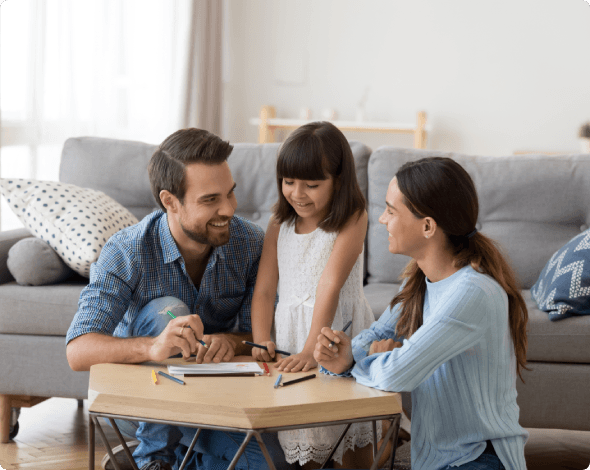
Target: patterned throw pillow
[563, 288]
[76, 222]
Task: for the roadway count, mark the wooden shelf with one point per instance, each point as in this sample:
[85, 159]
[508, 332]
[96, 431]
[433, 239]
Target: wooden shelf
[267, 123]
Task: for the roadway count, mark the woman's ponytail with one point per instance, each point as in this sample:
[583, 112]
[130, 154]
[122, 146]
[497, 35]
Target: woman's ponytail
[484, 255]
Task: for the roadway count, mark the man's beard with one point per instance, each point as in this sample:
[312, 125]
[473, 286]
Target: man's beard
[207, 239]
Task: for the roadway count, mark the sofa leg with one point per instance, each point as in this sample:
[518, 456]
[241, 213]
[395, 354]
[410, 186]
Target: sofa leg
[5, 412]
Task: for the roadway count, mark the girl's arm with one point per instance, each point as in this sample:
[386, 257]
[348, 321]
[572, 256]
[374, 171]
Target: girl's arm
[265, 293]
[347, 248]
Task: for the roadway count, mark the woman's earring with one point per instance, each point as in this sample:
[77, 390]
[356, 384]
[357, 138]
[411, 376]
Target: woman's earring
[426, 236]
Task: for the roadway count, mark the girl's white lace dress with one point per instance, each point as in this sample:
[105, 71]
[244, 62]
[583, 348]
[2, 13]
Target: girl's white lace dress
[302, 259]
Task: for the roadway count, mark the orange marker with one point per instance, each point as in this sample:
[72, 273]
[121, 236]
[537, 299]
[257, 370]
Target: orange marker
[154, 377]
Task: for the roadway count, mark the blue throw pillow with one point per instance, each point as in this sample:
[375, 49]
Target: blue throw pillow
[563, 288]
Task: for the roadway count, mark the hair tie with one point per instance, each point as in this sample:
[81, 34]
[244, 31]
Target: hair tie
[470, 234]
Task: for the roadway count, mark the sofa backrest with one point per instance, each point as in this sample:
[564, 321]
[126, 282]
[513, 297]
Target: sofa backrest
[530, 204]
[119, 169]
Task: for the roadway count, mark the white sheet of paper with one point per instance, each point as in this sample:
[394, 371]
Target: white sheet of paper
[213, 369]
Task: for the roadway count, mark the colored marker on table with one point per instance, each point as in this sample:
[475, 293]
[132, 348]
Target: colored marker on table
[278, 382]
[199, 340]
[343, 331]
[300, 379]
[181, 382]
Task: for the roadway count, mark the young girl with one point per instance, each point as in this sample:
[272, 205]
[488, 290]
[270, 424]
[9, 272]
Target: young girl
[313, 250]
[462, 321]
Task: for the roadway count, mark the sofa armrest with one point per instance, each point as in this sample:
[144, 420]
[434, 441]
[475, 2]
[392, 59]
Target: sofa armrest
[7, 239]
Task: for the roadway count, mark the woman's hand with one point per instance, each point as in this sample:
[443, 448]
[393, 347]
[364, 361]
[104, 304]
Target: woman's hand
[259, 354]
[338, 358]
[383, 346]
[301, 362]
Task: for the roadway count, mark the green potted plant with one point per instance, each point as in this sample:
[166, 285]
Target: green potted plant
[585, 138]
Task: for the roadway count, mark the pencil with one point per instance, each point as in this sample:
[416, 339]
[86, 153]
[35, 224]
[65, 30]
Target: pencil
[266, 368]
[254, 345]
[154, 377]
[300, 379]
[278, 382]
[181, 382]
[199, 340]
[343, 331]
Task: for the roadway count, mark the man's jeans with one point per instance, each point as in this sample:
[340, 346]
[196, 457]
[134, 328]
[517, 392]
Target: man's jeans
[214, 450]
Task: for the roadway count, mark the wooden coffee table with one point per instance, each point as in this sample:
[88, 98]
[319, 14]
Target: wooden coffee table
[245, 404]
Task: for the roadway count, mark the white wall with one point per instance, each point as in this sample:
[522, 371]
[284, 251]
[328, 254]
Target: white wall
[493, 77]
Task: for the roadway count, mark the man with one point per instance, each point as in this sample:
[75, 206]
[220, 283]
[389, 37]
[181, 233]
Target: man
[193, 258]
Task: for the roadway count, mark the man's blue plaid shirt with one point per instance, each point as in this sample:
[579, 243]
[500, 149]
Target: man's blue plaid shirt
[142, 263]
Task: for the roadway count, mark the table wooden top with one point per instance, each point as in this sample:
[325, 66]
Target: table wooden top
[241, 402]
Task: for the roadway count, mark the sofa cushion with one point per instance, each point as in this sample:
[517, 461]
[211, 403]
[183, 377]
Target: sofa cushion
[116, 167]
[564, 341]
[554, 395]
[32, 262]
[38, 310]
[563, 288]
[256, 186]
[531, 204]
[38, 366]
[76, 222]
[379, 296]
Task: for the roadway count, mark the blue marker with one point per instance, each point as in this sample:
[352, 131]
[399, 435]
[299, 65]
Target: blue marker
[181, 382]
[278, 382]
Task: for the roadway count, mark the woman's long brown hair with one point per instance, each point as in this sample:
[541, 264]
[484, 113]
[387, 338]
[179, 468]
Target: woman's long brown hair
[440, 188]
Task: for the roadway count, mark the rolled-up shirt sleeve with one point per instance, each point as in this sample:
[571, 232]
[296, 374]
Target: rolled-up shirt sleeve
[104, 301]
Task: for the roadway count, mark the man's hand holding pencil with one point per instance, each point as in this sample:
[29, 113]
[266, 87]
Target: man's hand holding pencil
[181, 335]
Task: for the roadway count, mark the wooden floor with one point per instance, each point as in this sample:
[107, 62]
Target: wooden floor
[53, 435]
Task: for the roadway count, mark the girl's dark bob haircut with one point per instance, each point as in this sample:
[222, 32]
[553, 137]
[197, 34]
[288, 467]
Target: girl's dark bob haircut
[314, 152]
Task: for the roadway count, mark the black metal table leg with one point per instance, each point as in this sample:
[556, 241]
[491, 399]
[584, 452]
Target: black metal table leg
[264, 450]
[241, 450]
[106, 443]
[90, 443]
[123, 443]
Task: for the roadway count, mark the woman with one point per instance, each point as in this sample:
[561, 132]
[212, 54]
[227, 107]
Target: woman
[461, 320]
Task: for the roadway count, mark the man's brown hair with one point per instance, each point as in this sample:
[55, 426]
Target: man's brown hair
[166, 169]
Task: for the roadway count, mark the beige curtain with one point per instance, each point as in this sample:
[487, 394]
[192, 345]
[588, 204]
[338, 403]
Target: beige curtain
[202, 106]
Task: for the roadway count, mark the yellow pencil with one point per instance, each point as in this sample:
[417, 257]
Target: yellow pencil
[154, 377]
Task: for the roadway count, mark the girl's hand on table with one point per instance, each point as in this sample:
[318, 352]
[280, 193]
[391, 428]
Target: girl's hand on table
[261, 355]
[301, 362]
[338, 358]
[383, 346]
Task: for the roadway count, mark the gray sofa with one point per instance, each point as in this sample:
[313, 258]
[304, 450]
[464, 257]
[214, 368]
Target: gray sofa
[531, 204]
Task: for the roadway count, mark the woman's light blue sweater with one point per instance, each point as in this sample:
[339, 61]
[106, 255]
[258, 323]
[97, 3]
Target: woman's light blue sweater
[461, 369]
